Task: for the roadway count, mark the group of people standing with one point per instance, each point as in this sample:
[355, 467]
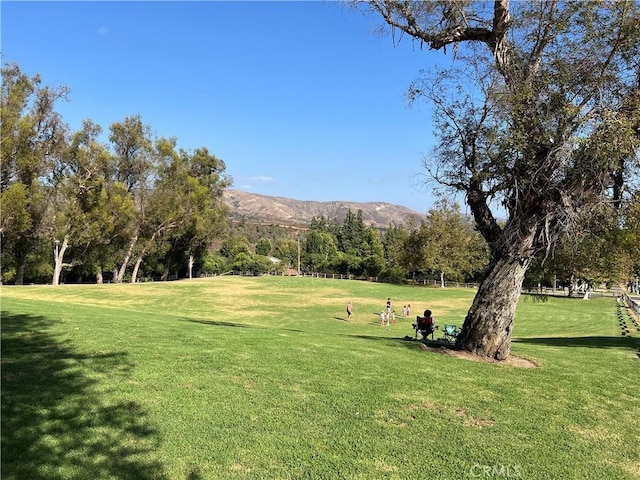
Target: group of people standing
[387, 316]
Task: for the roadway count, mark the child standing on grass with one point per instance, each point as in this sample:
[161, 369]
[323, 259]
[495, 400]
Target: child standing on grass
[383, 318]
[404, 312]
[349, 310]
[393, 317]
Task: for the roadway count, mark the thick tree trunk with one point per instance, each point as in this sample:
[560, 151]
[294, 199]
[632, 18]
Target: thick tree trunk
[20, 256]
[489, 322]
[20, 273]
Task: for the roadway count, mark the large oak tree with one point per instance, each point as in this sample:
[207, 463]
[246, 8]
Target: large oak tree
[538, 113]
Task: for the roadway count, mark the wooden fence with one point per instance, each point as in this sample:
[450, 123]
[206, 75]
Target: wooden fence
[632, 303]
[338, 276]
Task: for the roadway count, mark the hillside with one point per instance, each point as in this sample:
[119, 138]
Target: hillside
[254, 207]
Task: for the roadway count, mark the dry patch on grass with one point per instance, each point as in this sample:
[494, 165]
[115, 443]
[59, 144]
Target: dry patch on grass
[431, 407]
[513, 360]
[240, 468]
[337, 297]
[633, 469]
[597, 433]
[440, 307]
[251, 296]
[243, 381]
[235, 296]
[236, 302]
[385, 467]
[389, 419]
[104, 296]
[470, 421]
[440, 410]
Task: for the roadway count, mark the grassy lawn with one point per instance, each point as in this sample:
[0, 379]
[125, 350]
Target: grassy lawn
[263, 378]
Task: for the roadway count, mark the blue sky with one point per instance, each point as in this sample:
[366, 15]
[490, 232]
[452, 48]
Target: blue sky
[300, 99]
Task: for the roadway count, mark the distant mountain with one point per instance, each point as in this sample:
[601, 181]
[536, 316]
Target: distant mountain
[254, 207]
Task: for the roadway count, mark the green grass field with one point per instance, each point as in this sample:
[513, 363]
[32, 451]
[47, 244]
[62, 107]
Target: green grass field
[243, 378]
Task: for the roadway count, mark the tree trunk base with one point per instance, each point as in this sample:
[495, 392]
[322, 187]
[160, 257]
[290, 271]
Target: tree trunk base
[487, 328]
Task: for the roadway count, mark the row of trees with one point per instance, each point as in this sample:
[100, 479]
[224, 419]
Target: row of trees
[139, 206]
[605, 249]
[137, 202]
[442, 244]
[99, 207]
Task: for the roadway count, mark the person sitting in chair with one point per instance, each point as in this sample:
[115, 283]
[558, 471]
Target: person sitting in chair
[425, 324]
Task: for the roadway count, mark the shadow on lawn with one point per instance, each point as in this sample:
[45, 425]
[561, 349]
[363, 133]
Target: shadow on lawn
[590, 342]
[54, 424]
[406, 341]
[218, 323]
[631, 343]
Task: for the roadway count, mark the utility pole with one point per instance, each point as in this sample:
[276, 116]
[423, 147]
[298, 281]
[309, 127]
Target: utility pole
[298, 254]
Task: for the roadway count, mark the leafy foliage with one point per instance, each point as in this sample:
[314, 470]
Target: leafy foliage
[539, 114]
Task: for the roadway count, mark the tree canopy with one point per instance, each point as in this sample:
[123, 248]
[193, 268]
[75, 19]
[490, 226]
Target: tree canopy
[101, 203]
[538, 114]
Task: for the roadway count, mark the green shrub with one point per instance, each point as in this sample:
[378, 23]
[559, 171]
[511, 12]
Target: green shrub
[395, 275]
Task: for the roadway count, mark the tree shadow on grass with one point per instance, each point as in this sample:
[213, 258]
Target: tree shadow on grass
[407, 341]
[218, 323]
[622, 342]
[54, 423]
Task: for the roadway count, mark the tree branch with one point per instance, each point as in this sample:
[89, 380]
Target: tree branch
[409, 24]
